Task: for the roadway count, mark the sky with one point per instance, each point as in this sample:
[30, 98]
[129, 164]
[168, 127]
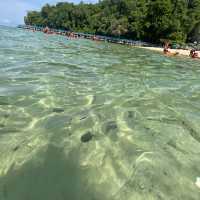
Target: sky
[12, 12]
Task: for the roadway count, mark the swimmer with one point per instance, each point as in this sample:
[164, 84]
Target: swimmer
[193, 54]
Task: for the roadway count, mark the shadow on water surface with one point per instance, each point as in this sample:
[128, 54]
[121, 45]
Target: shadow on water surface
[56, 177]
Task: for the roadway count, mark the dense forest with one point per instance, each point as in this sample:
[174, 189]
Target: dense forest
[148, 20]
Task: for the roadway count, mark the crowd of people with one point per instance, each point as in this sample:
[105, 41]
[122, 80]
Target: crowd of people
[166, 50]
[69, 34]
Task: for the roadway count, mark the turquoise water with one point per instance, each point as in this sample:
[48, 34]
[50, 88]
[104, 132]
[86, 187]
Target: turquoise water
[139, 109]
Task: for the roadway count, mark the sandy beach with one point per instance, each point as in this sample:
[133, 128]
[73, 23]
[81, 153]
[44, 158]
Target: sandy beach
[180, 51]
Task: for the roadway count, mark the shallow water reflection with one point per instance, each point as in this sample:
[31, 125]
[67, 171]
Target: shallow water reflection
[136, 111]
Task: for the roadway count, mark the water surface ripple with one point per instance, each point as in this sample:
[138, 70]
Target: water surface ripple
[140, 109]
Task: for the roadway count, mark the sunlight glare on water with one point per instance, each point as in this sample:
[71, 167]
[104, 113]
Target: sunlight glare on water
[83, 120]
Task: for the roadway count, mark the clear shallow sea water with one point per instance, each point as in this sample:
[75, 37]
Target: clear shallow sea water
[142, 108]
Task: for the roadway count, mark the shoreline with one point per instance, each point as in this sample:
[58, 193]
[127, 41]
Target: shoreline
[181, 52]
[139, 44]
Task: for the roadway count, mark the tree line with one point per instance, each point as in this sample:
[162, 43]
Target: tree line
[147, 20]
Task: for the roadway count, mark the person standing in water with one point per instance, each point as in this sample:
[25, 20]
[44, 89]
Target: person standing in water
[166, 48]
[46, 30]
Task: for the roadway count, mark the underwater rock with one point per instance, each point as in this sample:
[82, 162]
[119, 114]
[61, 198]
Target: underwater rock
[87, 137]
[111, 126]
[82, 118]
[58, 110]
[6, 115]
[16, 148]
[2, 103]
[165, 173]
[172, 144]
[2, 125]
[131, 114]
[194, 133]
[8, 130]
[69, 134]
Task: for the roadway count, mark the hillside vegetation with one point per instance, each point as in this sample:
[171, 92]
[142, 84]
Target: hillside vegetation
[148, 20]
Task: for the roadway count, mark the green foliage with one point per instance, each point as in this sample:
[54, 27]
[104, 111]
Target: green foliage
[148, 20]
[34, 18]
